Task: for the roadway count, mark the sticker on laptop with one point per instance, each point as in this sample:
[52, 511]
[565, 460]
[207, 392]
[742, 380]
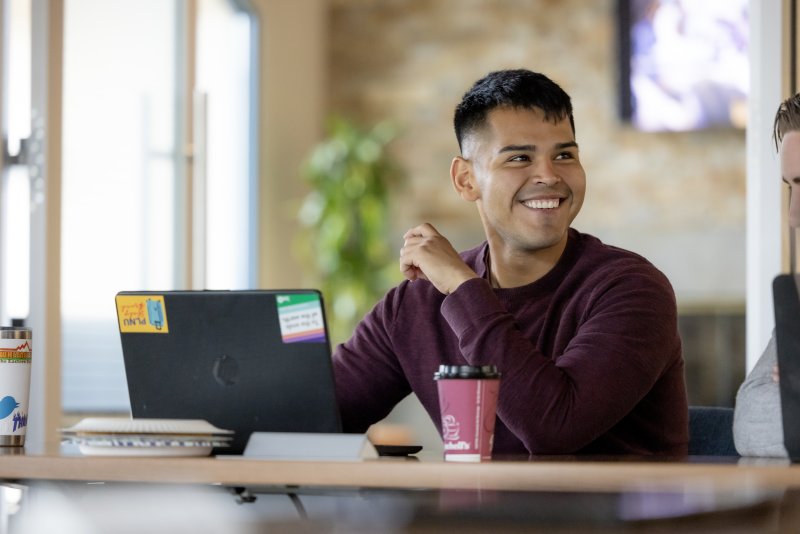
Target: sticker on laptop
[300, 316]
[144, 314]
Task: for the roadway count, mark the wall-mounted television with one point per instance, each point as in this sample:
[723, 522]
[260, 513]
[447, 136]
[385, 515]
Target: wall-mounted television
[683, 64]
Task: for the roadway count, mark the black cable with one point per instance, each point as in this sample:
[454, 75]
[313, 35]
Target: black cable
[298, 504]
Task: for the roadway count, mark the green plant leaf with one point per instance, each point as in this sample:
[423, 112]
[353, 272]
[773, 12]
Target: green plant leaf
[344, 242]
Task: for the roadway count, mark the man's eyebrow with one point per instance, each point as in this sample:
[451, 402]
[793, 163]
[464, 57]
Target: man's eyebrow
[517, 148]
[532, 148]
[795, 180]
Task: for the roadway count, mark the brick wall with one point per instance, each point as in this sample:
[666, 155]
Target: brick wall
[677, 198]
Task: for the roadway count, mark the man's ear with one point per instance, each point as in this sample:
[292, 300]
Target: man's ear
[464, 179]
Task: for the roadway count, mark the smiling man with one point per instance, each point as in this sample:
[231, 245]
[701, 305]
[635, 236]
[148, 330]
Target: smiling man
[584, 334]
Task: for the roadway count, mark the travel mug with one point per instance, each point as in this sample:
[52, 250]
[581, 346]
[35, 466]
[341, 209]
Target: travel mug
[15, 383]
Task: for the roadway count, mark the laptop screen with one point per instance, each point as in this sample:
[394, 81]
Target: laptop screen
[242, 360]
[787, 342]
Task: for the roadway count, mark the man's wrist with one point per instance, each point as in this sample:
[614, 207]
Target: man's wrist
[458, 282]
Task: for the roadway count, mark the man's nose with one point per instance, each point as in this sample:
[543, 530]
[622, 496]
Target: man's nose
[544, 172]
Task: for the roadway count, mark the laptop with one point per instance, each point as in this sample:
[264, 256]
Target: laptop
[786, 299]
[245, 361]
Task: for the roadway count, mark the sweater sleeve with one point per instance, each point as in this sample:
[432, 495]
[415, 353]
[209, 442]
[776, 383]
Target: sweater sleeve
[369, 379]
[623, 343]
[757, 423]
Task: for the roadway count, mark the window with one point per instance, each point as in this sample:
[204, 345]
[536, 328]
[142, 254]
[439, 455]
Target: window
[132, 170]
[15, 179]
[225, 82]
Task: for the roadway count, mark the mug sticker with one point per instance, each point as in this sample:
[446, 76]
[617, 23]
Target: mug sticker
[15, 351]
[300, 316]
[142, 314]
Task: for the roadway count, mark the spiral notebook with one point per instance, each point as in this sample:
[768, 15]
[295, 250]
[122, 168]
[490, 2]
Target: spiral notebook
[246, 361]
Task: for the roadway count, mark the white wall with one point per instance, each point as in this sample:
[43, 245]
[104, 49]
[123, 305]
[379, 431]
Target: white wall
[293, 90]
[763, 175]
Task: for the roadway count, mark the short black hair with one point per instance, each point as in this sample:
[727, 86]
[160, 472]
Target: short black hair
[518, 88]
[787, 119]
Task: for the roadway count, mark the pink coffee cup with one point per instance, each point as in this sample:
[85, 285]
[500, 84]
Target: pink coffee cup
[468, 405]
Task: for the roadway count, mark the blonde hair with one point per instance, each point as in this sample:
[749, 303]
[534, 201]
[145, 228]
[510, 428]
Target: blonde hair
[787, 118]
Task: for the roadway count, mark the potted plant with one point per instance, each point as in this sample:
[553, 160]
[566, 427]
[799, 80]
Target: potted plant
[345, 220]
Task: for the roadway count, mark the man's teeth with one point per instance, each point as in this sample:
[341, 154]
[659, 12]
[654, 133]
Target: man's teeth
[542, 204]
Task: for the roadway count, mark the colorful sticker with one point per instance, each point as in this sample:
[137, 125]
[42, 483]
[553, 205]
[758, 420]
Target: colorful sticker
[142, 314]
[15, 379]
[15, 350]
[300, 316]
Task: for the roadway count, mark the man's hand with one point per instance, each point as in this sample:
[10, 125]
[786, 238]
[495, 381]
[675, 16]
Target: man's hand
[427, 255]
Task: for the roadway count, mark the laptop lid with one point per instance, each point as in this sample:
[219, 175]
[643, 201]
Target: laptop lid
[787, 341]
[243, 360]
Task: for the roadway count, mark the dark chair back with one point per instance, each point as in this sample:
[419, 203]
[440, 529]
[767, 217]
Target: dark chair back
[711, 431]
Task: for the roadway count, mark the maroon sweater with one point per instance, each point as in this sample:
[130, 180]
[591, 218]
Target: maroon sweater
[590, 355]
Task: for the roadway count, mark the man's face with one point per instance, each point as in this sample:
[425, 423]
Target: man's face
[790, 171]
[530, 183]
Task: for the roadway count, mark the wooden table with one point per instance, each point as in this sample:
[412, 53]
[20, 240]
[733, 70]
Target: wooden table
[609, 494]
[535, 474]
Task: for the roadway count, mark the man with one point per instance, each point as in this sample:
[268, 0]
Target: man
[584, 334]
[757, 419]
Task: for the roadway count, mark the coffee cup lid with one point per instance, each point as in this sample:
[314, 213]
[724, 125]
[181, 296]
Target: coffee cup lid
[466, 371]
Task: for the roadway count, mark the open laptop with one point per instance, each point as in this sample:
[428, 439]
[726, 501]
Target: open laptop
[242, 360]
[786, 298]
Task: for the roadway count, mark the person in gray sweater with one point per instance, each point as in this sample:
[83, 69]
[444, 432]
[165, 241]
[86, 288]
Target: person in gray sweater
[757, 420]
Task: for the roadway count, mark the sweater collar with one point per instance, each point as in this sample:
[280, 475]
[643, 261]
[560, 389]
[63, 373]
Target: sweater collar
[564, 263]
